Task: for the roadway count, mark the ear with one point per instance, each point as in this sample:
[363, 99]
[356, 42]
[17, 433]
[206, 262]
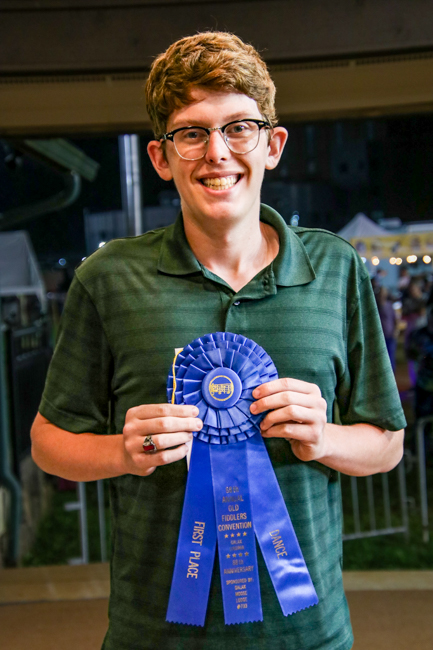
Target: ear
[159, 161]
[278, 139]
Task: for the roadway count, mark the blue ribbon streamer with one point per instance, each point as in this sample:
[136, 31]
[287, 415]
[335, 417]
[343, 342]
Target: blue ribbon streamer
[224, 497]
[236, 540]
[275, 534]
[196, 548]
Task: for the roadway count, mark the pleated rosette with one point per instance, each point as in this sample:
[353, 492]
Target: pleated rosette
[245, 364]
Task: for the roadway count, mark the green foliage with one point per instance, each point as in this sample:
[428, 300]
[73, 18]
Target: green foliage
[389, 551]
[58, 540]
[394, 551]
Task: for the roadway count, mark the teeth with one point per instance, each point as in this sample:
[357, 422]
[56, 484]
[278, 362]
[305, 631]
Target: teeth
[220, 183]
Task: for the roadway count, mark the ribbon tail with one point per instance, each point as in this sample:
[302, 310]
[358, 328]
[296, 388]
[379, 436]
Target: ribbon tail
[195, 555]
[275, 533]
[236, 539]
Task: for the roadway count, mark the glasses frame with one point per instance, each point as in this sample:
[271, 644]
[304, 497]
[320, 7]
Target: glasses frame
[262, 124]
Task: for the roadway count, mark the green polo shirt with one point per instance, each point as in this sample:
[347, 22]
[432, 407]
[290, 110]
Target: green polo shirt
[131, 304]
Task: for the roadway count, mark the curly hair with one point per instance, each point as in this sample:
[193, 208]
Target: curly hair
[213, 60]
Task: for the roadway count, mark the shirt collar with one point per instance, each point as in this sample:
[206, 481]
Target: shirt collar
[291, 267]
[176, 256]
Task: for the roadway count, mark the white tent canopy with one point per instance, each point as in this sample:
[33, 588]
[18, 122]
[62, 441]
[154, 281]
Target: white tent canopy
[362, 226]
[19, 269]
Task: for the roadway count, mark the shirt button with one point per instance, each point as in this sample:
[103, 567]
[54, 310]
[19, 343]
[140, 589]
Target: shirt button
[236, 303]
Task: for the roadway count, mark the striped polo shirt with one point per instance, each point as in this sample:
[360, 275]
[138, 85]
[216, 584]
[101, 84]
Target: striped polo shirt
[131, 304]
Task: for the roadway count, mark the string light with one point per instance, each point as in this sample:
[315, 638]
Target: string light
[375, 261]
[398, 261]
[426, 259]
[411, 259]
[392, 260]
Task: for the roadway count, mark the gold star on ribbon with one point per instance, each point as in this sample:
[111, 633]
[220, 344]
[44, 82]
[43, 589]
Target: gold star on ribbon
[245, 534]
[234, 554]
[232, 535]
[226, 536]
[246, 553]
[239, 534]
[228, 556]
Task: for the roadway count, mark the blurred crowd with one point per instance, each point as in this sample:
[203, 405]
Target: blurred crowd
[406, 314]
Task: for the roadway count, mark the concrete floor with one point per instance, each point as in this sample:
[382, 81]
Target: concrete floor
[48, 608]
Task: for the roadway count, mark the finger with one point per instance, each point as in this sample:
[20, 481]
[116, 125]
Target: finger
[173, 425]
[291, 431]
[163, 457]
[165, 441]
[151, 411]
[298, 414]
[280, 400]
[167, 424]
[284, 384]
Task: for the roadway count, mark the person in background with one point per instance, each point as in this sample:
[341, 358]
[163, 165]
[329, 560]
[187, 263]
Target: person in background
[419, 349]
[413, 305]
[404, 279]
[388, 320]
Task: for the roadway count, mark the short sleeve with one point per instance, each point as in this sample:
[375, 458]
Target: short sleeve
[367, 392]
[77, 390]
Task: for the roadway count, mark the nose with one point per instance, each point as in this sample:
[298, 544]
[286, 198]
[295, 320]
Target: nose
[217, 150]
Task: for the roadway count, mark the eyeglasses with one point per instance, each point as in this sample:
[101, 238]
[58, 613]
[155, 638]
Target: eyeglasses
[240, 136]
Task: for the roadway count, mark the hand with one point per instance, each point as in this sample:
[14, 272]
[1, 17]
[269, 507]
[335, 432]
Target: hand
[170, 426]
[297, 412]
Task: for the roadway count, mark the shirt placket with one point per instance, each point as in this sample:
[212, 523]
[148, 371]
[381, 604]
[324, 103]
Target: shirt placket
[236, 307]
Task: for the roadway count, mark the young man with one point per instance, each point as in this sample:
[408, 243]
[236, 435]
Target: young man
[227, 264]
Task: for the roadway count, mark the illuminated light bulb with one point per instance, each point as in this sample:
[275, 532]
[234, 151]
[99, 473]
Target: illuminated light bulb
[375, 261]
[364, 259]
[426, 259]
[392, 260]
[411, 259]
[398, 261]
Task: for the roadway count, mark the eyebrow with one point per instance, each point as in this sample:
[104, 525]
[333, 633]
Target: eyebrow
[233, 118]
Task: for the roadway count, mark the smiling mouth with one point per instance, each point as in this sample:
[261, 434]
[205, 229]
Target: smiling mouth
[220, 183]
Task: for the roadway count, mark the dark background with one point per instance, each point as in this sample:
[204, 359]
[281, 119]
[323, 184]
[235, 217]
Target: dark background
[329, 172]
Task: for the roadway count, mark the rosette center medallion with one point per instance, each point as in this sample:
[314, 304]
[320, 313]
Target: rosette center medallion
[221, 388]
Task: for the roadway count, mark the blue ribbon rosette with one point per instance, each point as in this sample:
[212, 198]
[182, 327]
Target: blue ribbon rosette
[232, 494]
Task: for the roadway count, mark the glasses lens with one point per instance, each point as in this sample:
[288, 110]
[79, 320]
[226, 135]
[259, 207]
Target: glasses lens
[242, 137]
[191, 143]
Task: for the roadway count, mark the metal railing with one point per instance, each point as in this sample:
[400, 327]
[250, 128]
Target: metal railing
[367, 509]
[372, 508]
[364, 512]
[422, 474]
[80, 506]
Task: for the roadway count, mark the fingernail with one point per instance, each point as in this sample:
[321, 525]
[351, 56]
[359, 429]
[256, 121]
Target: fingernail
[195, 410]
[253, 407]
[256, 392]
[199, 425]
